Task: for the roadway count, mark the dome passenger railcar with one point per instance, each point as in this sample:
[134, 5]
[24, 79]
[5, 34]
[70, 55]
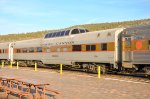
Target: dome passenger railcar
[117, 48]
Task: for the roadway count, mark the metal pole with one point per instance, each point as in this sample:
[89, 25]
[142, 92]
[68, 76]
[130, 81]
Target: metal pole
[61, 69]
[99, 71]
[10, 65]
[2, 64]
[35, 66]
[17, 65]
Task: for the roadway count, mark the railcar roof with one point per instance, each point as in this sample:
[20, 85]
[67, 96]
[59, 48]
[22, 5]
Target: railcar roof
[145, 26]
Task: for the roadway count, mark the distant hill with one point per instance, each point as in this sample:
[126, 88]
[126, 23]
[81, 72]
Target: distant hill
[90, 27]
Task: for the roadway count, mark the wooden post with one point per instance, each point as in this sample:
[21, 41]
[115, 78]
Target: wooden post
[99, 71]
[17, 65]
[35, 66]
[60, 69]
[2, 64]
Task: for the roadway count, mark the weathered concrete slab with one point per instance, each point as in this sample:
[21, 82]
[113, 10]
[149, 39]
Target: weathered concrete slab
[74, 86]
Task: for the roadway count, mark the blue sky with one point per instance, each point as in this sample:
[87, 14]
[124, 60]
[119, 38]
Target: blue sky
[17, 16]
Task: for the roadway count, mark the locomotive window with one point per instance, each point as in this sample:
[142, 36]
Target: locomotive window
[31, 50]
[127, 42]
[104, 46]
[62, 33]
[67, 32]
[82, 31]
[75, 31]
[90, 47]
[39, 49]
[59, 33]
[76, 47]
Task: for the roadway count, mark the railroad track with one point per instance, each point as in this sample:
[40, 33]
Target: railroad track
[138, 76]
[132, 76]
[141, 75]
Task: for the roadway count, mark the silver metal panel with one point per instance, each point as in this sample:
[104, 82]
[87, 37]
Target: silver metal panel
[4, 46]
[28, 56]
[28, 43]
[65, 57]
[127, 56]
[3, 56]
[141, 57]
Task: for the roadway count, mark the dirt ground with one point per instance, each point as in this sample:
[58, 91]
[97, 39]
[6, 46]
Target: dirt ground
[76, 86]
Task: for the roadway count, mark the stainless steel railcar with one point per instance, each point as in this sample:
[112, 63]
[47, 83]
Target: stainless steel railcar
[85, 49]
[136, 47]
[113, 48]
[6, 52]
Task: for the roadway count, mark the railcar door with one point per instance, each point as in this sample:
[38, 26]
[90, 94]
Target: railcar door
[127, 54]
[10, 53]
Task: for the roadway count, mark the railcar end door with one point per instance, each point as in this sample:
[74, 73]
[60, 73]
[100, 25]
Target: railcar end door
[127, 49]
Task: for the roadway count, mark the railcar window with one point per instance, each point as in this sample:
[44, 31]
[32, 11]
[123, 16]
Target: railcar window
[62, 33]
[4, 51]
[39, 49]
[48, 50]
[75, 31]
[93, 47]
[50, 35]
[86, 30]
[76, 47]
[58, 34]
[149, 44]
[31, 50]
[104, 46]
[67, 32]
[18, 51]
[90, 47]
[82, 31]
[46, 36]
[24, 50]
[53, 34]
